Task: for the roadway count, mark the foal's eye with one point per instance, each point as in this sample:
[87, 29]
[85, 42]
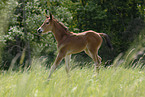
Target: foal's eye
[47, 22]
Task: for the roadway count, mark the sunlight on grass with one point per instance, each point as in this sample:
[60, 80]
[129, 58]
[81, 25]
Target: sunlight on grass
[111, 82]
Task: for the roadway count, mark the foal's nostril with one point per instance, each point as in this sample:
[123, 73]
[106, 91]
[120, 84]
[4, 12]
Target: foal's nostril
[39, 30]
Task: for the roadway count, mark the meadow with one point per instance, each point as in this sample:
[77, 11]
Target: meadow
[81, 82]
[20, 19]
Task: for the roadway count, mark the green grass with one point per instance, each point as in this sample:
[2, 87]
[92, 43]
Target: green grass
[111, 82]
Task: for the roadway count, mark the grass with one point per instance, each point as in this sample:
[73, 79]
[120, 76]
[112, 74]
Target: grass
[111, 82]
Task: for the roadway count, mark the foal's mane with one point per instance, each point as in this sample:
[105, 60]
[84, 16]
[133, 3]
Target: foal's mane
[62, 25]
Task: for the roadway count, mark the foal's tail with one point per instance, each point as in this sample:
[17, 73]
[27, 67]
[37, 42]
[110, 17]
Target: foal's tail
[107, 39]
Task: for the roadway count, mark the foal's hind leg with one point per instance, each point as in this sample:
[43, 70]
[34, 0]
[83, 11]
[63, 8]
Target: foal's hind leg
[67, 60]
[99, 62]
[95, 57]
[96, 62]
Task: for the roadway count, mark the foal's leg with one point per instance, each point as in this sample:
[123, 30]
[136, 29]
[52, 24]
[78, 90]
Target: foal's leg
[58, 59]
[88, 52]
[67, 60]
[99, 62]
[99, 58]
[92, 54]
[96, 59]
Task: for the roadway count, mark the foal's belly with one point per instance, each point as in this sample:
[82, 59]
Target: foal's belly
[76, 48]
[76, 45]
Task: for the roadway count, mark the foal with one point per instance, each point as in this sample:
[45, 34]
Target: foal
[70, 43]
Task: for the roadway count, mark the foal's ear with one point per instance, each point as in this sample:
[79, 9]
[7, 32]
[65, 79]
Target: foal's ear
[46, 16]
[51, 16]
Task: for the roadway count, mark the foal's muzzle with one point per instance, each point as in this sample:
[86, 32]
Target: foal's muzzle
[39, 30]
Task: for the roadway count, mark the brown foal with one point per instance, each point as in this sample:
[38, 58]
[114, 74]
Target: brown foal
[70, 43]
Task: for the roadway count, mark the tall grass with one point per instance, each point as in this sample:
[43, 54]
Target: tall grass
[110, 82]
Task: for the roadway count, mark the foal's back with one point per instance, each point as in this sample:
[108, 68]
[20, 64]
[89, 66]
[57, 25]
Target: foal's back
[76, 43]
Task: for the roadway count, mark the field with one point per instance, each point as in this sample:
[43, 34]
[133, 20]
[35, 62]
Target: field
[20, 43]
[110, 82]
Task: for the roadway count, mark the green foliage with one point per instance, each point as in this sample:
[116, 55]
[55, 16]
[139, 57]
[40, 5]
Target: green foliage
[13, 32]
[6, 9]
[15, 40]
[134, 57]
[90, 16]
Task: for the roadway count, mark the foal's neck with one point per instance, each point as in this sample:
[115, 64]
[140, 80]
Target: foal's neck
[59, 32]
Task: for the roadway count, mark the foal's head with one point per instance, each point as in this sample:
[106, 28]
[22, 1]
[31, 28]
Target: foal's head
[47, 25]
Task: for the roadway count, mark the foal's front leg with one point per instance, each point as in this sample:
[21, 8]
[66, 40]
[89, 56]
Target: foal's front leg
[58, 59]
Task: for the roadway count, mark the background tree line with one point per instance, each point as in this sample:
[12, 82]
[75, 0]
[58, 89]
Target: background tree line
[121, 20]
